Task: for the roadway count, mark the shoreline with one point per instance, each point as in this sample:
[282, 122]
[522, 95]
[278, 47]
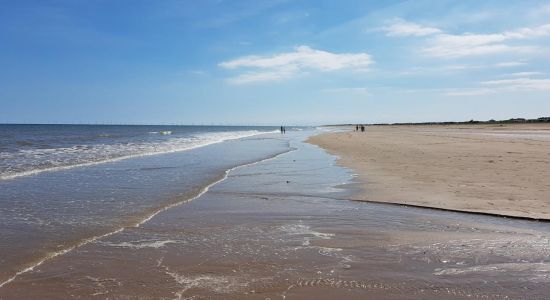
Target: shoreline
[148, 196]
[135, 224]
[394, 165]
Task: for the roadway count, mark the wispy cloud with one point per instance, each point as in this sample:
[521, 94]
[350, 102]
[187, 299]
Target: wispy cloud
[403, 28]
[524, 74]
[290, 64]
[456, 68]
[446, 45]
[501, 86]
[463, 67]
[519, 84]
[510, 64]
[468, 92]
[485, 66]
[468, 44]
[272, 75]
[349, 90]
[452, 47]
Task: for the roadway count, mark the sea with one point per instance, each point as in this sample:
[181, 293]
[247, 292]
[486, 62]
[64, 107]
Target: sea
[31, 149]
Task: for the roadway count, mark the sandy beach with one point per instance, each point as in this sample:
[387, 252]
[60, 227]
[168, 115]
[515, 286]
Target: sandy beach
[495, 169]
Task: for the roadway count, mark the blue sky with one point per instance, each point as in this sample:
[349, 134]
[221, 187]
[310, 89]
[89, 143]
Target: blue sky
[272, 62]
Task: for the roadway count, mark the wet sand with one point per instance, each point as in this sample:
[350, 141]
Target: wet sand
[283, 229]
[495, 169]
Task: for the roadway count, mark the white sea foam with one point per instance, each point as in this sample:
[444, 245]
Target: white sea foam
[301, 229]
[33, 161]
[495, 268]
[305, 232]
[217, 284]
[140, 244]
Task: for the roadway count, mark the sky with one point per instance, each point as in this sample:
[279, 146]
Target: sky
[256, 62]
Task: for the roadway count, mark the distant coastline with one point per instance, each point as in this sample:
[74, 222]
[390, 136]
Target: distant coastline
[492, 121]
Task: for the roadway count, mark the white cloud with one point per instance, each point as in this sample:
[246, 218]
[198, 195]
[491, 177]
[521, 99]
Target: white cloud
[469, 92]
[447, 49]
[463, 67]
[506, 64]
[272, 75]
[404, 28]
[510, 64]
[446, 45]
[503, 86]
[289, 64]
[350, 90]
[468, 44]
[454, 68]
[519, 84]
[524, 74]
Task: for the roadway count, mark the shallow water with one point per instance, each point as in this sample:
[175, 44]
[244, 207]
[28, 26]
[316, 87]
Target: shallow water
[48, 213]
[283, 229]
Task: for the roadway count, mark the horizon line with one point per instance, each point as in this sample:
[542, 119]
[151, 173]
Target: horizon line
[144, 124]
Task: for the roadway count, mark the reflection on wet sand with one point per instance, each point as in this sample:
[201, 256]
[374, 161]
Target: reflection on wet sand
[280, 229]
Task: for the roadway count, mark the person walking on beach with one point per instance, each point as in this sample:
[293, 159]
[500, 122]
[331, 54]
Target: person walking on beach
[282, 130]
[356, 127]
[362, 128]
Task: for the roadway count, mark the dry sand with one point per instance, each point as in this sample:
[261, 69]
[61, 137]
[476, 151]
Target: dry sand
[495, 169]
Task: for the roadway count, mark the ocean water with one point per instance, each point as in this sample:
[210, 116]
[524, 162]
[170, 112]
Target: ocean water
[29, 149]
[62, 186]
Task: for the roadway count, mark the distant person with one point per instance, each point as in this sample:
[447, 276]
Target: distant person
[282, 130]
[362, 128]
[356, 127]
